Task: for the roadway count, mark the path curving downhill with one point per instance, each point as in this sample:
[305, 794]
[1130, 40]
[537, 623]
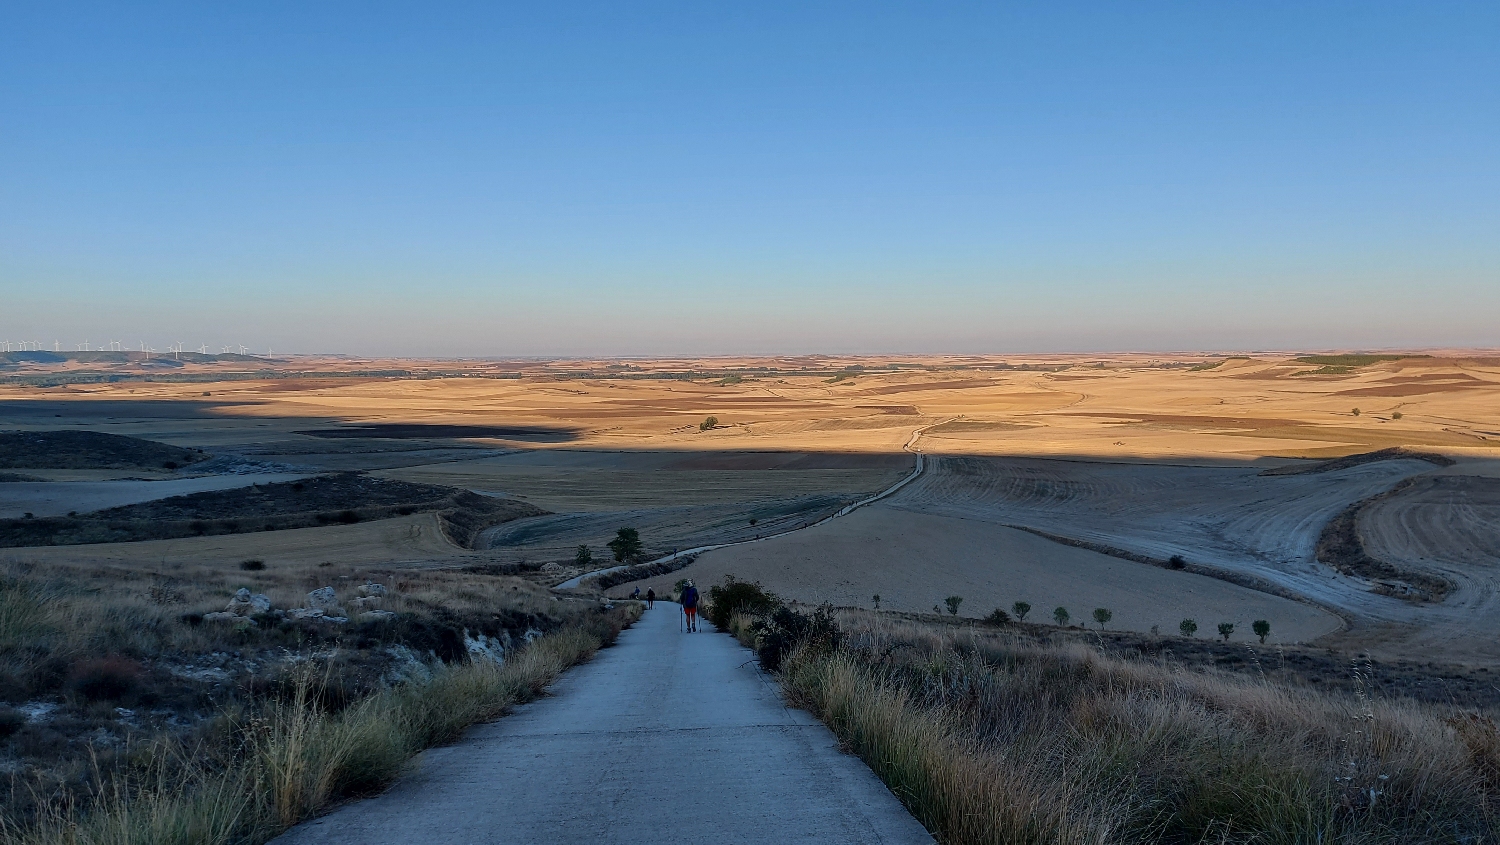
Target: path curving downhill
[665, 737]
[909, 446]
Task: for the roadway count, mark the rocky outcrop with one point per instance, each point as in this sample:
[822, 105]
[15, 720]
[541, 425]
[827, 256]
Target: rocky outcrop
[246, 604]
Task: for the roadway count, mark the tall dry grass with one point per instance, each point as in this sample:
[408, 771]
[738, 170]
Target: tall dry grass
[285, 763]
[994, 739]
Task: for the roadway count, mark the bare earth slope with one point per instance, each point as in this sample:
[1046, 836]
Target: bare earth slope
[914, 560]
[1225, 517]
[1448, 524]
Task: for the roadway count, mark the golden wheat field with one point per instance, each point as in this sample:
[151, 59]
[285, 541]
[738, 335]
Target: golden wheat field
[1060, 480]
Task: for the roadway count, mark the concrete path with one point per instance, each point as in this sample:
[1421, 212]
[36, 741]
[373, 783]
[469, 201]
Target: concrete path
[666, 737]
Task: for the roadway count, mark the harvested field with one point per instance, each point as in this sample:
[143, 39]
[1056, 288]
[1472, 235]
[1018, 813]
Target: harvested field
[1445, 525]
[1150, 455]
[1223, 517]
[915, 560]
[407, 431]
[571, 482]
[663, 529]
[1363, 458]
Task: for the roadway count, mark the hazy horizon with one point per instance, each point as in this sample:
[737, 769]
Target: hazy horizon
[672, 180]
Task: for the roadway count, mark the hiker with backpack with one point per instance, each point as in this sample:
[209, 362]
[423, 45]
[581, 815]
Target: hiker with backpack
[690, 606]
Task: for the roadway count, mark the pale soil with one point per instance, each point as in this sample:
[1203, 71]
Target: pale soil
[1448, 524]
[60, 497]
[1224, 517]
[914, 561]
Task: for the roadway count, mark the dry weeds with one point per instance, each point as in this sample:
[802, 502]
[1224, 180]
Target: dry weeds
[993, 738]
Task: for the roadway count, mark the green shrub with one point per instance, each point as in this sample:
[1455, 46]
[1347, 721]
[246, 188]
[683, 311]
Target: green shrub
[1061, 615]
[1262, 629]
[737, 597]
[627, 545]
[1020, 609]
[1188, 627]
[1225, 629]
[953, 602]
[1102, 616]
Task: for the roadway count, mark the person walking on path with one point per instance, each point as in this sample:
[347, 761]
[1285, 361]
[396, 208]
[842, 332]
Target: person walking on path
[650, 597]
[690, 606]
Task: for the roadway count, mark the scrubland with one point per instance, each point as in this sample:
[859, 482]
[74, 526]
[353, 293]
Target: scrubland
[129, 717]
[998, 735]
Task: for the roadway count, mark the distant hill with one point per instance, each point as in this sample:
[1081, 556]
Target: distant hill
[69, 449]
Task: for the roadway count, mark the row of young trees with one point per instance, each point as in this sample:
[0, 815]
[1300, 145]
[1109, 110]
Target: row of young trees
[1102, 617]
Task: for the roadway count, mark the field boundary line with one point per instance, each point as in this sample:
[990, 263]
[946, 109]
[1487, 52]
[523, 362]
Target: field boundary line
[910, 446]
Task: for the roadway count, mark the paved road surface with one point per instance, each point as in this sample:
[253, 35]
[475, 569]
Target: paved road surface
[666, 737]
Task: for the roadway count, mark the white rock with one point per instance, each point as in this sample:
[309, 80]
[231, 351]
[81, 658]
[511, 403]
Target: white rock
[371, 590]
[305, 613]
[323, 598]
[244, 604]
[376, 616]
[365, 603]
[221, 616]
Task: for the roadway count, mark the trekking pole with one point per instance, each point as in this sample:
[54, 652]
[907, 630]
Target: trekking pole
[681, 619]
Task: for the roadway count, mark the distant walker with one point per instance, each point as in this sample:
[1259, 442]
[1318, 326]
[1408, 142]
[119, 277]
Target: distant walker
[690, 606]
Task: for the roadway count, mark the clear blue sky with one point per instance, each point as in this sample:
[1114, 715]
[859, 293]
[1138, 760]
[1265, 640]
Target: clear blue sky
[649, 178]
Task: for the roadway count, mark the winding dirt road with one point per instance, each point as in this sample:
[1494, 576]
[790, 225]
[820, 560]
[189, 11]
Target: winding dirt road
[910, 446]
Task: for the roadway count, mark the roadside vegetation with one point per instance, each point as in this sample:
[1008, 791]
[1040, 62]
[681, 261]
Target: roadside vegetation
[169, 707]
[1024, 734]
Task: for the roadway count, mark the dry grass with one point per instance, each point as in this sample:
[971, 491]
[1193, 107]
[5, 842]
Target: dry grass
[266, 772]
[264, 722]
[990, 738]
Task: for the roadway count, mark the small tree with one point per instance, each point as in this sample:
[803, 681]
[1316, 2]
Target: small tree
[876, 599]
[711, 422]
[1102, 615]
[1061, 615]
[1188, 627]
[953, 602]
[1020, 609]
[1356, 412]
[627, 545]
[1395, 415]
[997, 618]
[1262, 629]
[584, 556]
[1176, 562]
[1225, 629]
